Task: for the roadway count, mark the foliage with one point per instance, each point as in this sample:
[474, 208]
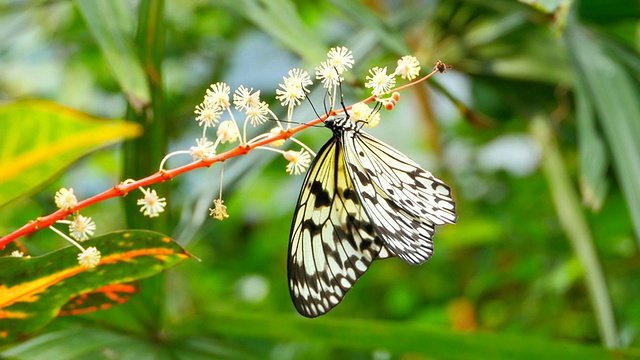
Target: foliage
[539, 111]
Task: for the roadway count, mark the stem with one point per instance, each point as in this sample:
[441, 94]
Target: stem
[575, 225]
[125, 187]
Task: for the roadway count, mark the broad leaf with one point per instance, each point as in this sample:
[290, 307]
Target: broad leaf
[33, 290]
[41, 138]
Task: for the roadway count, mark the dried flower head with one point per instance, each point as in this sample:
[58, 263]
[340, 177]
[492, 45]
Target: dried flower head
[219, 210]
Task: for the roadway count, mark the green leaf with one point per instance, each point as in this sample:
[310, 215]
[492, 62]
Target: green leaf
[108, 21]
[614, 95]
[592, 152]
[41, 138]
[91, 343]
[281, 20]
[401, 338]
[33, 290]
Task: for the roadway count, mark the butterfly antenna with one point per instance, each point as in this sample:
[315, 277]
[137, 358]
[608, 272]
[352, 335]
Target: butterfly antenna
[344, 108]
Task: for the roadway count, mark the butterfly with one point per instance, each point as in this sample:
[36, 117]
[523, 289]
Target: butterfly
[361, 200]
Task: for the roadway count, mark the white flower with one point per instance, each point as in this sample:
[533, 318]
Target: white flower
[294, 88]
[17, 253]
[328, 75]
[89, 258]
[152, 206]
[276, 131]
[218, 96]
[257, 114]
[208, 114]
[82, 227]
[243, 99]
[298, 161]
[65, 199]
[379, 81]
[228, 131]
[340, 58]
[408, 67]
[219, 210]
[203, 149]
[361, 112]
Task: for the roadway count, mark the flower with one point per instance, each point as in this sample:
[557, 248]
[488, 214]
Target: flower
[294, 88]
[257, 114]
[228, 131]
[219, 210]
[204, 148]
[17, 253]
[361, 112]
[379, 81]
[65, 199]
[298, 161]
[82, 227]
[328, 75]
[218, 96]
[243, 99]
[408, 67]
[340, 58]
[208, 114]
[152, 206]
[276, 131]
[89, 258]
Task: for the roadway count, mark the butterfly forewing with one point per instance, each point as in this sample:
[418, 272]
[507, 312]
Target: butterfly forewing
[332, 240]
[404, 234]
[408, 185]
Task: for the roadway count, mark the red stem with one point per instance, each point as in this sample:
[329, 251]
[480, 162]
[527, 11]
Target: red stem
[163, 175]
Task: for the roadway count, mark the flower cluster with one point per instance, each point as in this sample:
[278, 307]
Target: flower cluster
[81, 227]
[219, 111]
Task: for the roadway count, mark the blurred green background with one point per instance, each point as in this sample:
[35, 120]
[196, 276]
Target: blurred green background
[536, 128]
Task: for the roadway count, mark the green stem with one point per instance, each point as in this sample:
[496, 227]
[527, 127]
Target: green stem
[574, 223]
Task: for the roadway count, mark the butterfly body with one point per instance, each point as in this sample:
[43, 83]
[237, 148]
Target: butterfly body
[361, 200]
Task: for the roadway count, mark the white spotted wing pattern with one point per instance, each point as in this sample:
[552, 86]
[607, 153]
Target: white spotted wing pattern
[361, 200]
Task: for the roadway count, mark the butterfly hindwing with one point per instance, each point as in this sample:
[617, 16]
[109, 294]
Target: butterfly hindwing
[332, 240]
[395, 192]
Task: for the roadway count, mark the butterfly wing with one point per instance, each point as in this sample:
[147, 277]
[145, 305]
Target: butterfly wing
[404, 201]
[332, 241]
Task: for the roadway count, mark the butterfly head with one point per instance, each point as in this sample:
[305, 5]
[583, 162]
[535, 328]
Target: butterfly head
[339, 123]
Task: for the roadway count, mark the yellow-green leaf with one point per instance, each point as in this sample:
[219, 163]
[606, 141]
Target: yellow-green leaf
[41, 138]
[33, 290]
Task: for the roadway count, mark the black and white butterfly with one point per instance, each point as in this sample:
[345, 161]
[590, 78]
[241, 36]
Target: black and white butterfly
[361, 200]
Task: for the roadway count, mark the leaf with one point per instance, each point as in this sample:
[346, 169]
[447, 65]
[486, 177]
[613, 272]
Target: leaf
[401, 338]
[76, 342]
[281, 20]
[99, 299]
[107, 21]
[614, 96]
[33, 290]
[41, 138]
